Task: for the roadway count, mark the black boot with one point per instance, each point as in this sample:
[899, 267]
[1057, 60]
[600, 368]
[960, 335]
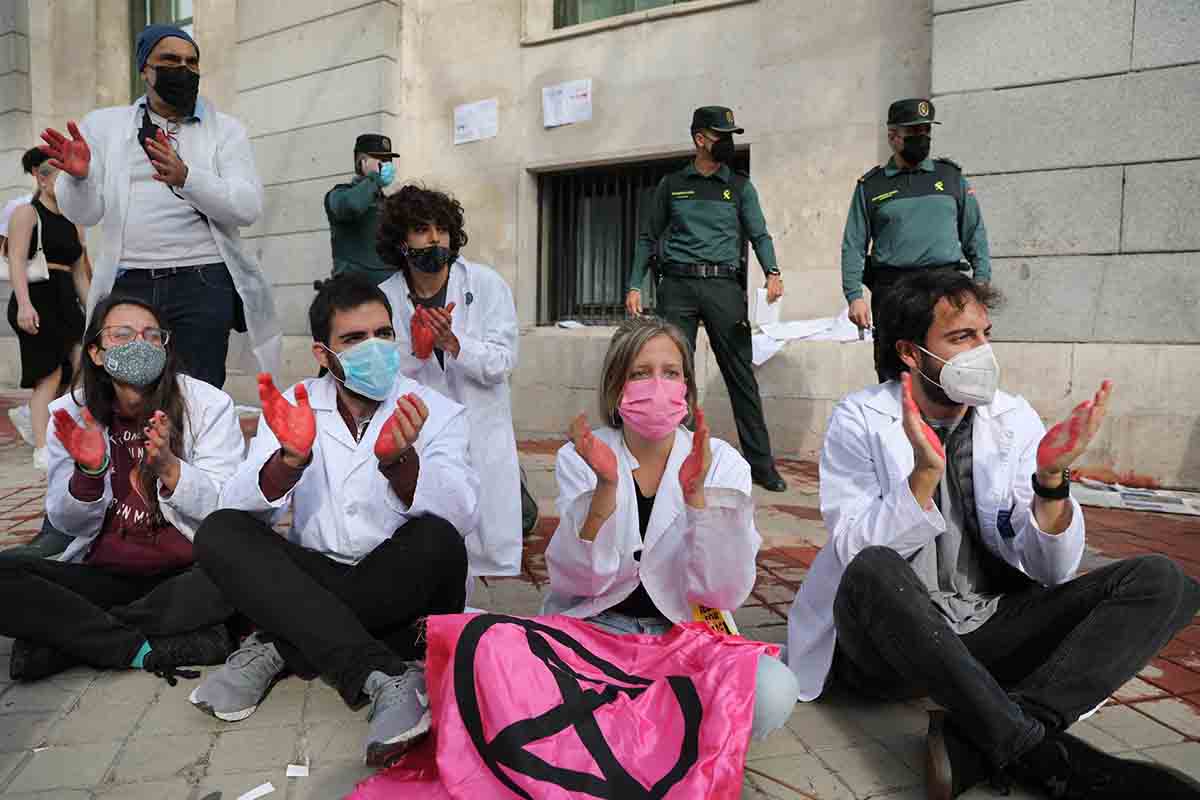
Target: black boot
[1066, 768]
[769, 478]
[952, 764]
[32, 662]
[197, 648]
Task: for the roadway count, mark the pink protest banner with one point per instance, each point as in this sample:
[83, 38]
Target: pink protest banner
[553, 707]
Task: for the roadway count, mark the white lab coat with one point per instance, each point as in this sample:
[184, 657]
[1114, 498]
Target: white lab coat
[485, 322]
[212, 448]
[866, 501]
[222, 184]
[690, 555]
[343, 507]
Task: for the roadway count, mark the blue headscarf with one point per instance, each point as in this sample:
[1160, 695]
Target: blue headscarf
[153, 34]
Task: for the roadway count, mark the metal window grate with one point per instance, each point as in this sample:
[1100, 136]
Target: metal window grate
[574, 12]
[589, 223]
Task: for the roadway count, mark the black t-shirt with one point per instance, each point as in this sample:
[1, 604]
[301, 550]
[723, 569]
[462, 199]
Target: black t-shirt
[639, 603]
[437, 301]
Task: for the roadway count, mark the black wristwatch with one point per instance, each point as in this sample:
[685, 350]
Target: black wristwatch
[1060, 492]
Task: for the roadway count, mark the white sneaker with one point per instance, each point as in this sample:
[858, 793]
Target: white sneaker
[41, 459]
[23, 422]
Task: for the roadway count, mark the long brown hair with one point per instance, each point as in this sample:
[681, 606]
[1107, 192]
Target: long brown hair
[100, 397]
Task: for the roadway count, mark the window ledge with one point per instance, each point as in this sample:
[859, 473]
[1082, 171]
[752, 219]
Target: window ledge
[624, 20]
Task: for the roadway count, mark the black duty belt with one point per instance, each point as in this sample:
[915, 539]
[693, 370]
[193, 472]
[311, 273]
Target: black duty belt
[701, 270]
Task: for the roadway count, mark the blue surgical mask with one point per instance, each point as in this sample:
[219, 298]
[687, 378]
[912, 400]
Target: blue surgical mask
[370, 367]
[387, 173]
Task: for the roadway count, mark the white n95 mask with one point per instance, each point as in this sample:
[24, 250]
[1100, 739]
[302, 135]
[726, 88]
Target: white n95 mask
[971, 377]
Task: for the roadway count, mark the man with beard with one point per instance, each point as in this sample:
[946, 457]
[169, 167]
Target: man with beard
[951, 566]
[173, 181]
[912, 213]
[696, 226]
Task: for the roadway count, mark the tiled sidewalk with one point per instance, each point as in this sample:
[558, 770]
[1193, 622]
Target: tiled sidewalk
[128, 735]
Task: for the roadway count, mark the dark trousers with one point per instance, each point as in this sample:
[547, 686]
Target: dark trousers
[341, 621]
[721, 303]
[1047, 656]
[200, 306]
[102, 617]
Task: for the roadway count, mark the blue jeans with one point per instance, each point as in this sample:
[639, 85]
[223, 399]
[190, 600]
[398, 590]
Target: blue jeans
[775, 686]
[199, 306]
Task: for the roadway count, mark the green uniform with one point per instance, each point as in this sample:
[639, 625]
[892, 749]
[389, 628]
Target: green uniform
[353, 212]
[703, 222]
[913, 219]
[698, 219]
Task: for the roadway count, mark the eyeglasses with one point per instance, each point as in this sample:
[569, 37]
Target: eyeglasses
[123, 334]
[45, 171]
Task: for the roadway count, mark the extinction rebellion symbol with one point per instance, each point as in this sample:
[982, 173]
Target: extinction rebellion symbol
[578, 711]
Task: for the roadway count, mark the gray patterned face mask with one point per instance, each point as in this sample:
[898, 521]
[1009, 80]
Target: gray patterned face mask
[137, 363]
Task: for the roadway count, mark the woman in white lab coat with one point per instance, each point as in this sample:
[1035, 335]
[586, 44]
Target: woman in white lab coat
[653, 518]
[456, 328]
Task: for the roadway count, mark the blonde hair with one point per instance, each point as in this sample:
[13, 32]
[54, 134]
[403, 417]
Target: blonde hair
[632, 335]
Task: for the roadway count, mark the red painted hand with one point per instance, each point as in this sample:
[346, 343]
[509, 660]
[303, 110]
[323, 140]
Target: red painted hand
[85, 443]
[1067, 440]
[596, 453]
[402, 429]
[927, 449]
[695, 467]
[293, 425]
[70, 155]
[422, 334]
[439, 319]
[159, 457]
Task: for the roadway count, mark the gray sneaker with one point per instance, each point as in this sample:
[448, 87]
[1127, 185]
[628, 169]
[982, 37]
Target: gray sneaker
[234, 691]
[399, 713]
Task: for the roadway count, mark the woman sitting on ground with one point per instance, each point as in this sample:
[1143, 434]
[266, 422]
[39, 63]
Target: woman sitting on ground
[138, 456]
[653, 518]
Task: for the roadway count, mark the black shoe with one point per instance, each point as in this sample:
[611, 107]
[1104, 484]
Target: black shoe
[768, 478]
[1066, 768]
[32, 662]
[952, 764]
[198, 648]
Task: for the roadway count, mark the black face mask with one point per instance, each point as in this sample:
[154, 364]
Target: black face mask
[916, 148]
[429, 259]
[722, 149]
[178, 87]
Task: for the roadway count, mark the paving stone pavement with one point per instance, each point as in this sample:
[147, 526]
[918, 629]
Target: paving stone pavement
[128, 735]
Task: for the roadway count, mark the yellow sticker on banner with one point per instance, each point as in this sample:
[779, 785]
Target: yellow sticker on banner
[716, 619]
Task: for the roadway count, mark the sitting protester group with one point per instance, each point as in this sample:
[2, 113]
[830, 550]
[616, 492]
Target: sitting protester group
[950, 569]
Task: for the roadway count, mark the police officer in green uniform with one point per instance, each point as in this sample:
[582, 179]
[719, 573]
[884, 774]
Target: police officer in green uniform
[351, 209]
[913, 212]
[696, 225]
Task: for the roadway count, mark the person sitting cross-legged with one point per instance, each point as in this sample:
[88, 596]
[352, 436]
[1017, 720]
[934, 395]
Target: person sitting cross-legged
[951, 564]
[374, 468]
[138, 455]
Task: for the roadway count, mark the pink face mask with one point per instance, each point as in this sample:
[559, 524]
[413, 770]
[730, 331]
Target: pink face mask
[653, 407]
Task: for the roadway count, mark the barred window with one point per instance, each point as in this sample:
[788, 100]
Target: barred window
[576, 12]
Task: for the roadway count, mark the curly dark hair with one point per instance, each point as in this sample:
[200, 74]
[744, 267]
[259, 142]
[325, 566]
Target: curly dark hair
[908, 311]
[412, 206]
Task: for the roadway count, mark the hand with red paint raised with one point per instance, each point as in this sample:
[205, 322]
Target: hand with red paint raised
[1067, 441]
[929, 457]
[596, 453]
[444, 338]
[72, 156]
[169, 168]
[294, 426]
[402, 429]
[160, 459]
[86, 443]
[695, 467]
[422, 334]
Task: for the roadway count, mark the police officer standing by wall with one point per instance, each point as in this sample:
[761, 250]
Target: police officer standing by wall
[914, 212]
[697, 224]
[352, 209]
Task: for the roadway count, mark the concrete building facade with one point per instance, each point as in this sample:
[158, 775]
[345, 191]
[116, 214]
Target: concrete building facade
[1076, 119]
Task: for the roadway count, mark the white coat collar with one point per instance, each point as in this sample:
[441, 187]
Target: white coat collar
[885, 398]
[322, 396]
[201, 114]
[668, 500]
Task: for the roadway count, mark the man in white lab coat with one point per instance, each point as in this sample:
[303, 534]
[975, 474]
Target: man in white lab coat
[949, 571]
[456, 326]
[375, 470]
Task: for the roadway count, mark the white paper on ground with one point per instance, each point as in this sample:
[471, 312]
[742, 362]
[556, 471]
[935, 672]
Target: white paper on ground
[297, 770]
[762, 348]
[570, 324]
[475, 121]
[1102, 495]
[258, 791]
[765, 313]
[825, 329]
[567, 102]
